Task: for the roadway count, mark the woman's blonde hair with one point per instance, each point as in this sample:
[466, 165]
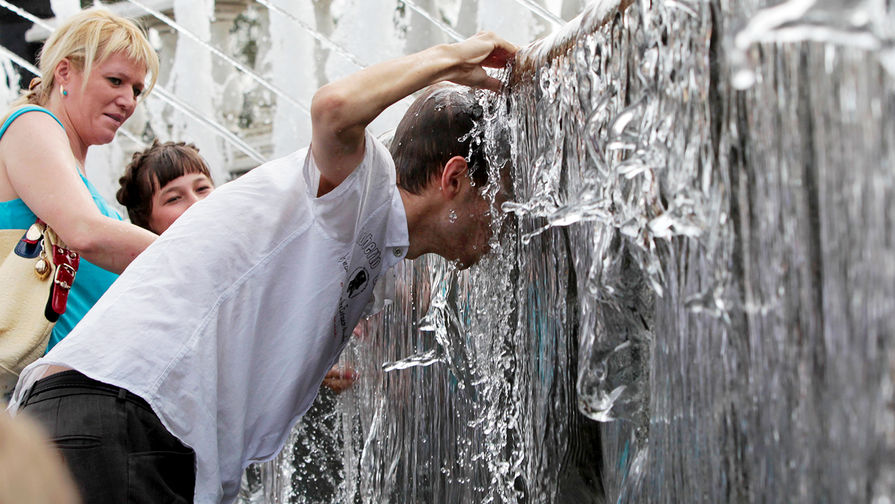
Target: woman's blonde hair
[88, 38]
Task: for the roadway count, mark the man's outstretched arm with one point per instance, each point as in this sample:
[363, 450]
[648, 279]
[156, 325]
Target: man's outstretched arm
[341, 110]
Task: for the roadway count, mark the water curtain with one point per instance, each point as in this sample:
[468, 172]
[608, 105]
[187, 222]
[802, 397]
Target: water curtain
[690, 297]
[729, 243]
[714, 181]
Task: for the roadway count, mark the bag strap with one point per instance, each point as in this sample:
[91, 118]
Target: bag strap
[67, 262]
[64, 263]
[27, 108]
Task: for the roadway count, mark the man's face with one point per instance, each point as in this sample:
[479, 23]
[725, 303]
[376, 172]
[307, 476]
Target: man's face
[471, 227]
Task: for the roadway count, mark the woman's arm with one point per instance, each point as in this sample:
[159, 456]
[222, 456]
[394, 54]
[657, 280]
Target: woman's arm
[341, 110]
[42, 171]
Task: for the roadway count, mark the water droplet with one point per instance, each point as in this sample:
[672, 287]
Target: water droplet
[743, 79]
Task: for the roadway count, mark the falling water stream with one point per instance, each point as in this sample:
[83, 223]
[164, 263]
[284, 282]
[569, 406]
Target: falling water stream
[690, 292]
[690, 298]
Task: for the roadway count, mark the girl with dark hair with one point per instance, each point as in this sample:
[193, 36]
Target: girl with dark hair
[161, 182]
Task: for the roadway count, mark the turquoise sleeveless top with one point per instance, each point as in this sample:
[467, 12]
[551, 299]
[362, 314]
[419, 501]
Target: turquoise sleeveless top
[91, 281]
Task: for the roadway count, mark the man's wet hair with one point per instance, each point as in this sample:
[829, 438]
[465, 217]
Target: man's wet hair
[443, 122]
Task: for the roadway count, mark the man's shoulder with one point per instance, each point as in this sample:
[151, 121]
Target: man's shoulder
[377, 148]
[378, 163]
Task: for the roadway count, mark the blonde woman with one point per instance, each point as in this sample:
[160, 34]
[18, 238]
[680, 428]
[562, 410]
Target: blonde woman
[94, 70]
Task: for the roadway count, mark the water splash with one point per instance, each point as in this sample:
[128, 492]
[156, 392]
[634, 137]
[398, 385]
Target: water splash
[690, 292]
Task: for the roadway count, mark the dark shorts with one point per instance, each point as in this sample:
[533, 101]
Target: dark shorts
[115, 446]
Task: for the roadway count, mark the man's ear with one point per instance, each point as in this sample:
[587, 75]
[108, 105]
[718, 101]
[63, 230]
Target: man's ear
[453, 178]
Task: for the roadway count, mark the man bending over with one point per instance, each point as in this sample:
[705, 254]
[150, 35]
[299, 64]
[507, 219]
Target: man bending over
[214, 341]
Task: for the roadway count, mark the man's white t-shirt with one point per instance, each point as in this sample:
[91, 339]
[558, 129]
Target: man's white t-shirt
[228, 323]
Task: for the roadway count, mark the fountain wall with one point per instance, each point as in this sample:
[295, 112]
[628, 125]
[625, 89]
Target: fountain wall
[690, 294]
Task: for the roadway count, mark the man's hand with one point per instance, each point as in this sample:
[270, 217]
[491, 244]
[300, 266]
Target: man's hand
[482, 50]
